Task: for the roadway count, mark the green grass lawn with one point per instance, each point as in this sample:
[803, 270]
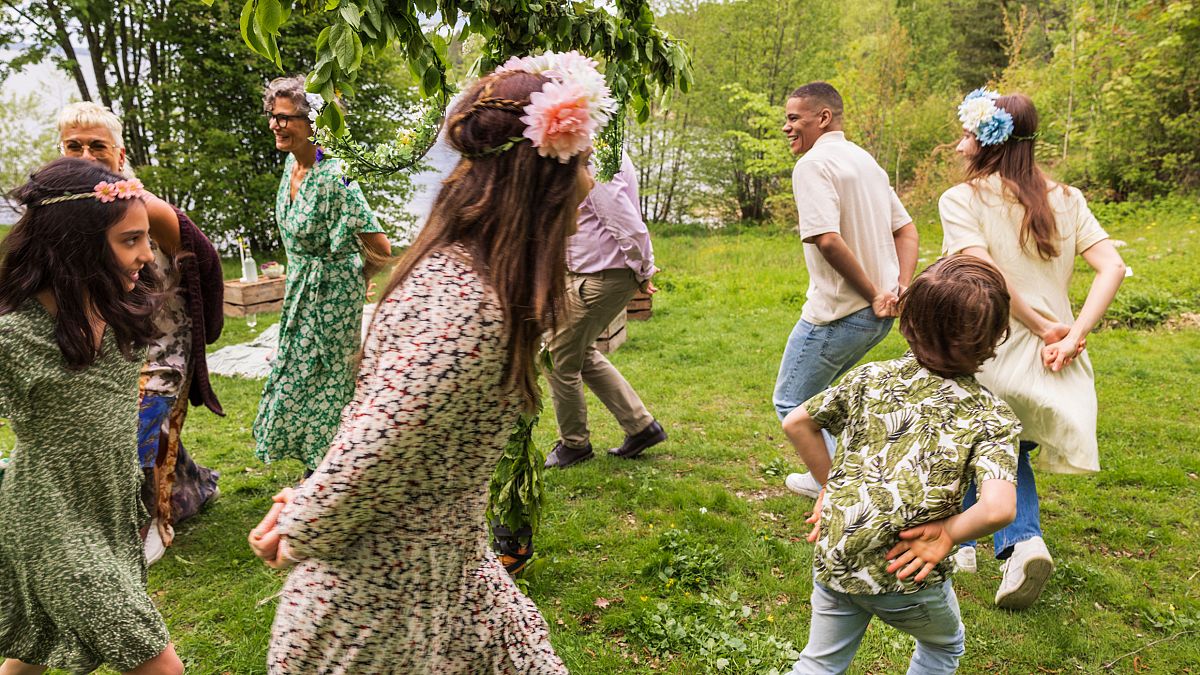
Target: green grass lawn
[691, 559]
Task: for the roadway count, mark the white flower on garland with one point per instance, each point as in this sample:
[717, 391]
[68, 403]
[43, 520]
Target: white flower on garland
[975, 111]
[316, 103]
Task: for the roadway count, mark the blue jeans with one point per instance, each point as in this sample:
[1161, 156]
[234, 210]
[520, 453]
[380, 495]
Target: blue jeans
[1028, 523]
[815, 356]
[840, 619]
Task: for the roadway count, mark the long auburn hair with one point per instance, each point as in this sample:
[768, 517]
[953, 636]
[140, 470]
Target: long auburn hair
[64, 247]
[512, 210]
[1014, 161]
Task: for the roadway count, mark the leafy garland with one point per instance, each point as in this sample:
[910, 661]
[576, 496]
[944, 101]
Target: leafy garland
[516, 491]
[643, 64]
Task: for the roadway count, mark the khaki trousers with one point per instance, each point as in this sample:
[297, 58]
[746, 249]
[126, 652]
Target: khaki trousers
[593, 301]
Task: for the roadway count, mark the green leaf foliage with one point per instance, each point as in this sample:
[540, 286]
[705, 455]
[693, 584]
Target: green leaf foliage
[641, 60]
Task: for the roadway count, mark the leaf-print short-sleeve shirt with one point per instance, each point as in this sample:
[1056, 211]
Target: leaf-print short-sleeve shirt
[909, 443]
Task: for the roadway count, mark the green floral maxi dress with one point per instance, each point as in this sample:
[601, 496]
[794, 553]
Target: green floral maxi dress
[72, 575]
[312, 376]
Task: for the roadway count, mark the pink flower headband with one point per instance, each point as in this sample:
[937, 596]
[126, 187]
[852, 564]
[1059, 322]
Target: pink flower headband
[104, 191]
[563, 117]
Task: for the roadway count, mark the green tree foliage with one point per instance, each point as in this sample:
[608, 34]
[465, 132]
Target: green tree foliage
[695, 157]
[26, 142]
[1115, 84]
[1121, 93]
[642, 62]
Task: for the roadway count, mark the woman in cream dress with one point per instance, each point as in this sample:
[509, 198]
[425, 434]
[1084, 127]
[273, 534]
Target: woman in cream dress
[1009, 213]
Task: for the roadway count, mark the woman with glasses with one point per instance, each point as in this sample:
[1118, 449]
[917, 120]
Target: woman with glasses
[326, 227]
[175, 487]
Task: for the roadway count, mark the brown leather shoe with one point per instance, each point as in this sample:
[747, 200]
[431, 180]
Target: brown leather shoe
[634, 445]
[563, 456]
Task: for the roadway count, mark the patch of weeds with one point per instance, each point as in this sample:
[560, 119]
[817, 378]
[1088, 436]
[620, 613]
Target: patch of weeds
[793, 299]
[648, 484]
[684, 563]
[1171, 619]
[1143, 309]
[1073, 577]
[714, 632]
[777, 468]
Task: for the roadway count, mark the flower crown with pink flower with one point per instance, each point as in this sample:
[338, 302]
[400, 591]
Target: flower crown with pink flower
[562, 118]
[104, 192]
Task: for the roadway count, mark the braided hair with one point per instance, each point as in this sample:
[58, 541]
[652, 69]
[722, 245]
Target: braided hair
[511, 210]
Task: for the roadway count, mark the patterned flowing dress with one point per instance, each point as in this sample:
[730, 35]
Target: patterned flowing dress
[312, 375]
[72, 575]
[396, 575]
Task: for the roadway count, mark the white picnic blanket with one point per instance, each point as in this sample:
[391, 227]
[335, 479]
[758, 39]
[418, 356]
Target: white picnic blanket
[253, 359]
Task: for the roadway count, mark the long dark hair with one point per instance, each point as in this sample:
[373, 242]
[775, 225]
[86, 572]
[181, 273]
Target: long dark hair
[1014, 161]
[512, 210]
[64, 247]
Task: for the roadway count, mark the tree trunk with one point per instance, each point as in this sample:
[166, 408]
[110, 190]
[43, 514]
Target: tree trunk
[64, 42]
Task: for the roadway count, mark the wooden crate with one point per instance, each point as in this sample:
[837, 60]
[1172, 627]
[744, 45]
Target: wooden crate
[641, 307]
[257, 297]
[613, 336]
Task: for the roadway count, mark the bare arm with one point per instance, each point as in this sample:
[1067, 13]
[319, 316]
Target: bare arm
[907, 243]
[804, 433]
[839, 256]
[922, 547]
[1110, 272]
[378, 250]
[164, 225]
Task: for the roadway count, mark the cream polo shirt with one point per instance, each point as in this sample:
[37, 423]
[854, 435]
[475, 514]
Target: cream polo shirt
[840, 188]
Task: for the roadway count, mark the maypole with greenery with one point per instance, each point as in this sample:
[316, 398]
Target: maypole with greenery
[643, 66]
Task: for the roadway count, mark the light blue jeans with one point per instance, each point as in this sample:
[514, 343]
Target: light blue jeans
[815, 355]
[1028, 523]
[839, 621]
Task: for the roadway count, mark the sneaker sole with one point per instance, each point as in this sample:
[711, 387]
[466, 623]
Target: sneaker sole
[1037, 573]
[802, 493]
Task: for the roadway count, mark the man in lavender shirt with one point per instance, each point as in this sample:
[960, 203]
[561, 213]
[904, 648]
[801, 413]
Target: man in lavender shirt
[608, 260]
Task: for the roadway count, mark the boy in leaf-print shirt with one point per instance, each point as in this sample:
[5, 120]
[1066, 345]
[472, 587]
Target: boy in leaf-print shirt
[912, 433]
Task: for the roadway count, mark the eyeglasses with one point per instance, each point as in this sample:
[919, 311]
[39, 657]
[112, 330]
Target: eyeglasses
[281, 121]
[97, 149]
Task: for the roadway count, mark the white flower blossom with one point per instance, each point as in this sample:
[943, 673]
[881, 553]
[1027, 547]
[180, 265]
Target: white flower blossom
[976, 111]
[315, 103]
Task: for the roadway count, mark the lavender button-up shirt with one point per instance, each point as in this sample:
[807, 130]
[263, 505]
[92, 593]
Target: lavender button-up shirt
[612, 234]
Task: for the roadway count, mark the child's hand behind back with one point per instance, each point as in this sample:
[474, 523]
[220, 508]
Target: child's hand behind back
[815, 518]
[920, 549]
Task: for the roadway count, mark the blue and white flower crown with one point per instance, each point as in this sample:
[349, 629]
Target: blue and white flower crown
[981, 116]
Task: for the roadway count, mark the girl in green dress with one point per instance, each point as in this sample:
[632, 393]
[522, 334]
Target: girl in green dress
[325, 223]
[77, 299]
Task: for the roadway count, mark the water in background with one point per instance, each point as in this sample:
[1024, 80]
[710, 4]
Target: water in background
[440, 160]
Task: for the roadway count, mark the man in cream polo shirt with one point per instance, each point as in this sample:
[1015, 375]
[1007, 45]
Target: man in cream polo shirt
[860, 247]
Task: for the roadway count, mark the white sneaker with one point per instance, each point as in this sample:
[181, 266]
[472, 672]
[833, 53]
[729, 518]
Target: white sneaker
[1025, 574]
[803, 484]
[153, 547]
[964, 560]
